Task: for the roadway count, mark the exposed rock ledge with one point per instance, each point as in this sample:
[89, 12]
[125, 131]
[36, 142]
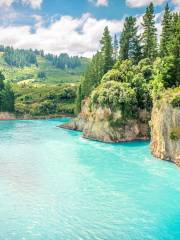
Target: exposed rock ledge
[7, 116]
[165, 120]
[103, 125]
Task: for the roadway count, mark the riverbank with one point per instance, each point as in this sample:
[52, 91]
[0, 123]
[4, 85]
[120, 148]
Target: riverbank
[105, 125]
[11, 116]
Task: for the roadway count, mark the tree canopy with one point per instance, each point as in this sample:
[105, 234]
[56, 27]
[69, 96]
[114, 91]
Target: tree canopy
[141, 72]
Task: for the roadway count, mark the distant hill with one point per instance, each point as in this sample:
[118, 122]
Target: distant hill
[43, 84]
[27, 66]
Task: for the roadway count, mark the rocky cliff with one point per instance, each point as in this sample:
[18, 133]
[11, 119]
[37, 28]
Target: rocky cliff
[165, 127]
[104, 125]
[7, 116]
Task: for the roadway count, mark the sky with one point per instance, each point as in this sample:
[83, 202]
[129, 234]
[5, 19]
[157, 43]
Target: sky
[69, 26]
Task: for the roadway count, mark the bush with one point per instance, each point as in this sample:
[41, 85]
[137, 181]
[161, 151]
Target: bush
[41, 75]
[46, 108]
[65, 108]
[21, 109]
[142, 89]
[68, 93]
[175, 133]
[145, 67]
[126, 70]
[112, 75]
[116, 96]
[167, 69]
[176, 101]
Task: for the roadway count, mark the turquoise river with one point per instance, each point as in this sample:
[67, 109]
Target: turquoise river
[55, 185]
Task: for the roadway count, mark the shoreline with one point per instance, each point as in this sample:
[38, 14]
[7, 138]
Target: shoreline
[4, 116]
[143, 139]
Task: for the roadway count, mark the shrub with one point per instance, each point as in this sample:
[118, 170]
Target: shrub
[142, 89]
[176, 101]
[46, 108]
[116, 96]
[112, 75]
[41, 75]
[65, 108]
[175, 133]
[126, 70]
[145, 67]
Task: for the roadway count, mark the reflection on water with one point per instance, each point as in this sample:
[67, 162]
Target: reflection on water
[55, 185]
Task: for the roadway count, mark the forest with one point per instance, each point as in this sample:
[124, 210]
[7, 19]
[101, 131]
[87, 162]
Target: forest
[39, 85]
[21, 58]
[129, 73]
[7, 98]
[126, 73]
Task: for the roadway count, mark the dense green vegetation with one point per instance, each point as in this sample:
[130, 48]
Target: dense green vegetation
[19, 57]
[142, 70]
[41, 100]
[34, 66]
[64, 61]
[125, 74]
[175, 133]
[41, 84]
[6, 96]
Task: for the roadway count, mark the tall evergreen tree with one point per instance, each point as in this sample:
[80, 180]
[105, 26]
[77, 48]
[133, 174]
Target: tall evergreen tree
[107, 50]
[175, 39]
[166, 32]
[101, 62]
[129, 41]
[8, 99]
[93, 75]
[115, 48]
[149, 37]
[2, 78]
[170, 69]
[6, 95]
[175, 47]
[78, 100]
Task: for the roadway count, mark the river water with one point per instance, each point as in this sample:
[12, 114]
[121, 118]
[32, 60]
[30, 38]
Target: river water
[55, 185]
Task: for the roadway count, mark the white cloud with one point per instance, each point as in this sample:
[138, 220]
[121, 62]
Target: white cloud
[177, 4]
[158, 19]
[140, 3]
[76, 36]
[99, 3]
[6, 3]
[32, 3]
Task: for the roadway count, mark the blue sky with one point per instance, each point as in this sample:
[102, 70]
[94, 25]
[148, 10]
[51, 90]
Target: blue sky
[72, 26]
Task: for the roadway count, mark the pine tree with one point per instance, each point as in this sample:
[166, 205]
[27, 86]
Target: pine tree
[78, 100]
[8, 99]
[115, 48]
[93, 75]
[175, 47]
[2, 78]
[175, 37]
[129, 41]
[149, 37]
[166, 32]
[107, 50]
[170, 71]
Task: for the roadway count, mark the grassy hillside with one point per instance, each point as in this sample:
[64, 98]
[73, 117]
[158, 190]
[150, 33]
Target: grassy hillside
[53, 94]
[44, 99]
[53, 75]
